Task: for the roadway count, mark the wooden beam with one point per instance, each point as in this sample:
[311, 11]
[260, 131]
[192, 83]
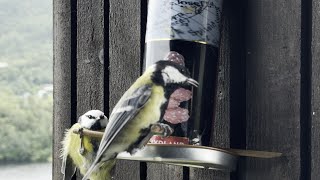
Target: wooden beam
[90, 67]
[273, 82]
[124, 68]
[62, 108]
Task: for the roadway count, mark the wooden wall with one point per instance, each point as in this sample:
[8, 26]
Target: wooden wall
[269, 85]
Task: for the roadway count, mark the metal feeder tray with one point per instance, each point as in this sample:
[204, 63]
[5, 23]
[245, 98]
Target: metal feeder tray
[185, 155]
[224, 159]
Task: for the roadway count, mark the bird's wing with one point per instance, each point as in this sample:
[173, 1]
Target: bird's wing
[125, 110]
[68, 169]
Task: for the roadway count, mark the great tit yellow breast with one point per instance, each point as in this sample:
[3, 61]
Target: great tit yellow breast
[149, 114]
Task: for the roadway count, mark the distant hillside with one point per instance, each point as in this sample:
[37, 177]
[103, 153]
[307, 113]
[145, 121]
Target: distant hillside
[26, 44]
[25, 80]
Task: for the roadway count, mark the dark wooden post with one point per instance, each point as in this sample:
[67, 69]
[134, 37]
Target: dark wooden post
[273, 87]
[124, 62]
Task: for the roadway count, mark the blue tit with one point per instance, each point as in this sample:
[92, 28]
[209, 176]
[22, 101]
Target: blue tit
[79, 151]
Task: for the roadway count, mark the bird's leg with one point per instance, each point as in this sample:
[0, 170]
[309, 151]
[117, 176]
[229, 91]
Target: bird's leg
[142, 143]
[81, 150]
[161, 129]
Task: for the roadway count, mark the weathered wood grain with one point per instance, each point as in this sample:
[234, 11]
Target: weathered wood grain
[207, 174]
[315, 98]
[124, 58]
[273, 87]
[62, 79]
[90, 68]
[164, 172]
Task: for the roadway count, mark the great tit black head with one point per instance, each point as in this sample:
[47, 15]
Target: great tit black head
[93, 120]
[170, 73]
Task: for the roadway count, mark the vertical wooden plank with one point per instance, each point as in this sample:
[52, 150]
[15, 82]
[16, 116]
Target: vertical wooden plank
[90, 68]
[124, 58]
[315, 101]
[221, 131]
[62, 78]
[164, 172]
[273, 87]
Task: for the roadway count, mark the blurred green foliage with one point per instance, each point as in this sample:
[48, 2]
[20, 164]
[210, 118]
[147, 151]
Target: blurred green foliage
[25, 80]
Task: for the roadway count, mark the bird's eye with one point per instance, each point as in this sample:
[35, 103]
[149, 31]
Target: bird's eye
[90, 117]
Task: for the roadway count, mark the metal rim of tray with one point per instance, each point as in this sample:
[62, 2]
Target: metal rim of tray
[185, 155]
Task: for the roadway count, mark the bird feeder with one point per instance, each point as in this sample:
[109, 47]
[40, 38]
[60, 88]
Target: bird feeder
[188, 32]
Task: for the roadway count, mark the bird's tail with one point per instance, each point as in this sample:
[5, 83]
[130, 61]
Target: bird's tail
[92, 168]
[104, 170]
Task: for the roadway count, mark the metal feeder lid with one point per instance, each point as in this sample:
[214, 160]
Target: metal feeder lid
[185, 155]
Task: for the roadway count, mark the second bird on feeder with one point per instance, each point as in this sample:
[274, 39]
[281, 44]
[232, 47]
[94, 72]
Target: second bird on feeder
[80, 151]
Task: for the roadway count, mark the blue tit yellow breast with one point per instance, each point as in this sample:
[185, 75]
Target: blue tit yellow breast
[83, 161]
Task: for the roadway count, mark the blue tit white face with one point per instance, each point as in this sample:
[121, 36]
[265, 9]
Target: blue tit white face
[94, 120]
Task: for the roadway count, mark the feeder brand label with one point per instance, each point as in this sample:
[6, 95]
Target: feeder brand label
[168, 140]
[189, 20]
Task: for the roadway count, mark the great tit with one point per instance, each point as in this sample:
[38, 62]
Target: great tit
[141, 106]
[80, 151]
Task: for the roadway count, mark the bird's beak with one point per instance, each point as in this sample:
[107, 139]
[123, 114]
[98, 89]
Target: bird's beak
[103, 118]
[192, 82]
